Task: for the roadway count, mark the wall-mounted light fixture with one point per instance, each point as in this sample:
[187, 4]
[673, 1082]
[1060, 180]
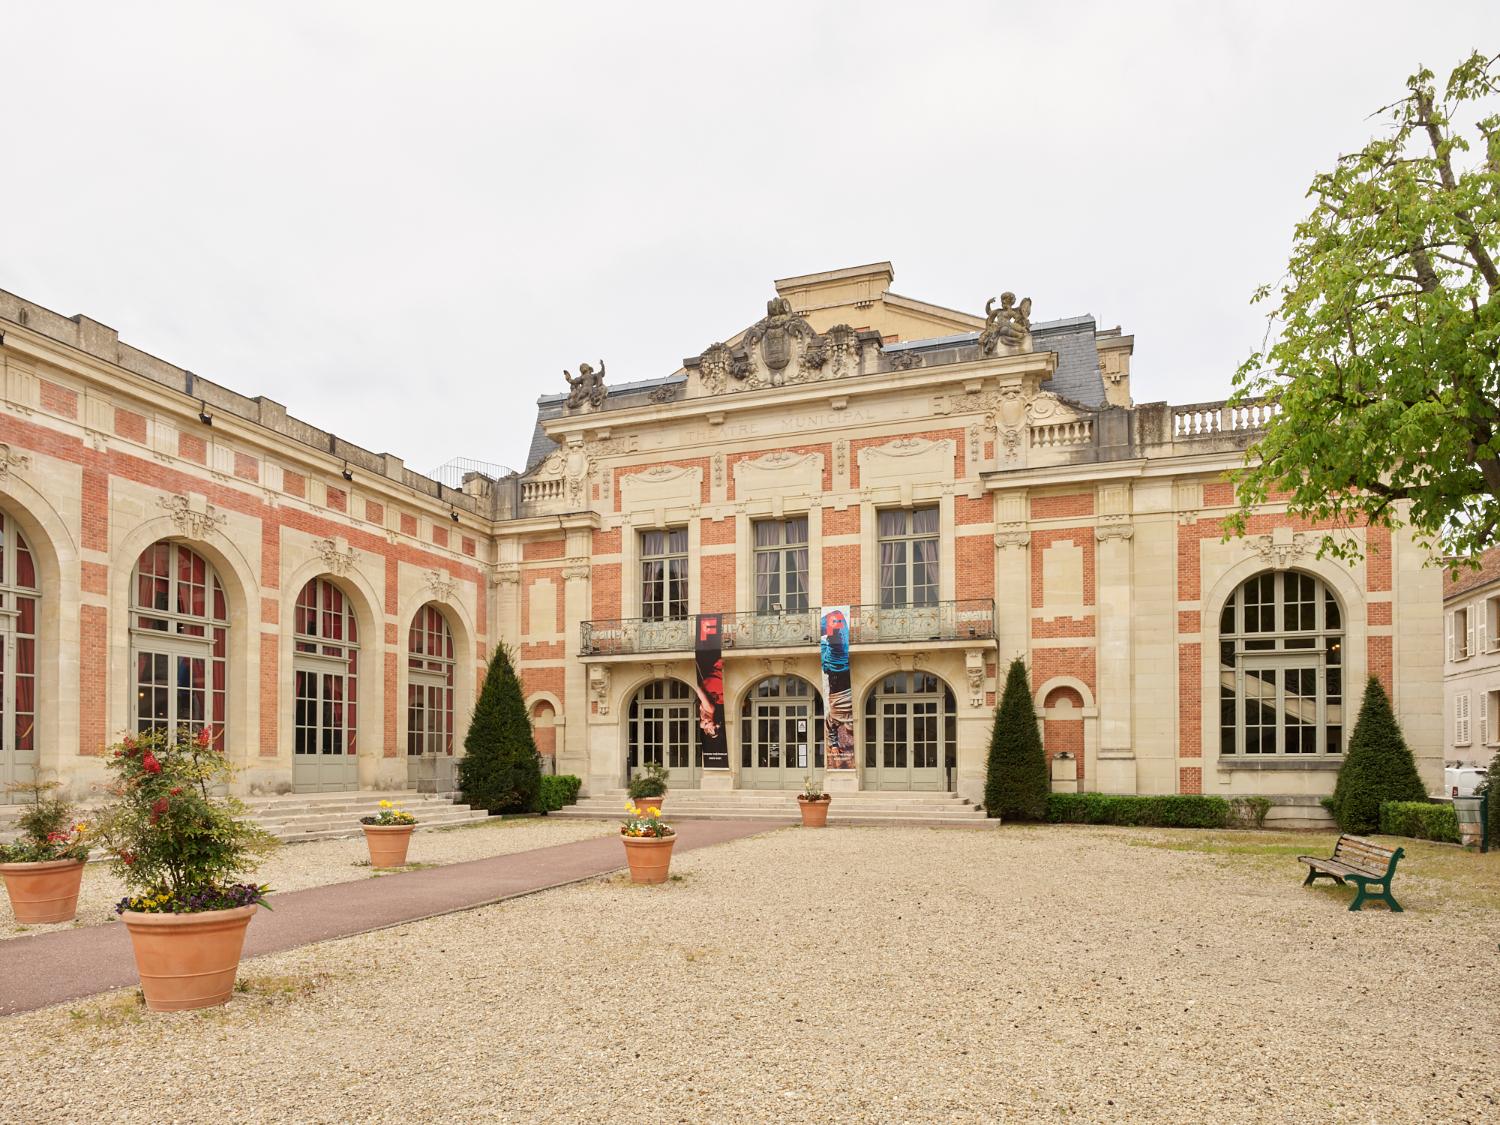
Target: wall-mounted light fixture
[348, 474]
[203, 415]
[454, 515]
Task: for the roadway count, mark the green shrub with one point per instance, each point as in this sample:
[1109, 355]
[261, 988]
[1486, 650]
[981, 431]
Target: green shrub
[1248, 812]
[1378, 767]
[1493, 805]
[1015, 786]
[557, 791]
[1168, 811]
[1421, 820]
[500, 770]
[650, 782]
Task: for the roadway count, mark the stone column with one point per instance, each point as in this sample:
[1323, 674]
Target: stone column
[1113, 771]
[572, 748]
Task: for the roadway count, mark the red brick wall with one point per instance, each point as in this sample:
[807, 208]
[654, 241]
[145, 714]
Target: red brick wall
[836, 522]
[717, 594]
[93, 678]
[130, 425]
[246, 467]
[975, 573]
[538, 549]
[1062, 507]
[58, 400]
[269, 694]
[190, 447]
[967, 511]
[338, 499]
[374, 512]
[1082, 537]
[294, 484]
[717, 533]
[1048, 663]
[841, 575]
[606, 591]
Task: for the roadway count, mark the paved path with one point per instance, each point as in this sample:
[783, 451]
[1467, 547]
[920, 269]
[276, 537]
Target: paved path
[53, 968]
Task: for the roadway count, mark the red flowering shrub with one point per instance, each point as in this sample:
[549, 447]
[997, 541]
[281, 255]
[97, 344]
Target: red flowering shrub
[178, 847]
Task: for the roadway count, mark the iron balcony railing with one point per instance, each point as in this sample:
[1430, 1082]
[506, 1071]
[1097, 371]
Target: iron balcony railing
[967, 619]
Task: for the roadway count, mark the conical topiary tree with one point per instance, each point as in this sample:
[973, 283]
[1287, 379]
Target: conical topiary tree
[1015, 786]
[500, 770]
[1378, 766]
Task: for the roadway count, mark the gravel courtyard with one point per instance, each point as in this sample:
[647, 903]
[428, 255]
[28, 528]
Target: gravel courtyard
[846, 975]
[295, 867]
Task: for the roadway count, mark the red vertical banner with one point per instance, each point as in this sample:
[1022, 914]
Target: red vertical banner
[708, 649]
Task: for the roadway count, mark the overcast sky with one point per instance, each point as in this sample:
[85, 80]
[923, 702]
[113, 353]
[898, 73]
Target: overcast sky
[403, 221]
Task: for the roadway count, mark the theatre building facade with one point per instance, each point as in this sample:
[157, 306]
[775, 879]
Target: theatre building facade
[814, 547]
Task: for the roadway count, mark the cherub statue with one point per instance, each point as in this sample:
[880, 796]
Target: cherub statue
[1010, 324]
[587, 388]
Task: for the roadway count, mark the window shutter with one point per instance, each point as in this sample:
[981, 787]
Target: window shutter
[1451, 655]
[1484, 718]
[1469, 650]
[1481, 625]
[1461, 719]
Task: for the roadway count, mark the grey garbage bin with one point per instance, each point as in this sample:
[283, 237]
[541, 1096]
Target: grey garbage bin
[1473, 820]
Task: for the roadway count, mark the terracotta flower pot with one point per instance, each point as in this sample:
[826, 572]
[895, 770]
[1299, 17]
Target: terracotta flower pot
[650, 857]
[652, 802]
[388, 843]
[814, 813]
[43, 892]
[188, 960]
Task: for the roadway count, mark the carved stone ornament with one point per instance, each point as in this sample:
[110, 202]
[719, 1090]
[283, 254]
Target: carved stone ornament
[441, 585]
[338, 562]
[193, 524]
[974, 673]
[599, 687]
[1007, 329]
[664, 393]
[587, 390]
[1114, 527]
[10, 460]
[779, 348]
[903, 360]
[1280, 555]
[577, 568]
[1012, 537]
[507, 574]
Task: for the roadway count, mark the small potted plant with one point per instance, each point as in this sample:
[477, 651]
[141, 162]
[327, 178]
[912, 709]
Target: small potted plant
[44, 868]
[388, 834]
[183, 853]
[648, 842]
[813, 803]
[650, 784]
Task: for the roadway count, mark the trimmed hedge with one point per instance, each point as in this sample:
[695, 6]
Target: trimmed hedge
[1016, 785]
[1421, 820]
[1148, 812]
[558, 790]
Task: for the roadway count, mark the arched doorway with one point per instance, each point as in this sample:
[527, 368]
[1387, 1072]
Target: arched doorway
[179, 642]
[662, 727]
[20, 601]
[911, 733]
[544, 731]
[325, 690]
[1062, 724]
[781, 734]
[429, 688]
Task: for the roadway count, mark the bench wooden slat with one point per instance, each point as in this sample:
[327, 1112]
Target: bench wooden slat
[1362, 862]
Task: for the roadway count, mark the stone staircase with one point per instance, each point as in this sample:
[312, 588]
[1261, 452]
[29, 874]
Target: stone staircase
[902, 810]
[300, 817]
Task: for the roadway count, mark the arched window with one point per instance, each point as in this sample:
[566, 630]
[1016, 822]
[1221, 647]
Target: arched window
[19, 602]
[663, 728]
[325, 687]
[179, 638]
[911, 733]
[429, 687]
[781, 734]
[1281, 668]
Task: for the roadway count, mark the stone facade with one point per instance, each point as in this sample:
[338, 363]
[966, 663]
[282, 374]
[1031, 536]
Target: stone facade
[1035, 509]
[1471, 666]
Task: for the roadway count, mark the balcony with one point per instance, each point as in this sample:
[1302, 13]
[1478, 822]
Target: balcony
[971, 619]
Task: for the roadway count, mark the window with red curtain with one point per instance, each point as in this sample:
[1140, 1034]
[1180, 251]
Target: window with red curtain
[179, 642]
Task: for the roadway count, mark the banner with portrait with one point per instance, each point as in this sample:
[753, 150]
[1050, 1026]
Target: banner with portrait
[833, 645]
[708, 650]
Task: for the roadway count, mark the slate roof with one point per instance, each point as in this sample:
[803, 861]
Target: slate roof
[1077, 377]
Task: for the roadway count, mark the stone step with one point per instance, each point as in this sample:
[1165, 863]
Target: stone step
[848, 819]
[730, 809]
[345, 830]
[302, 820]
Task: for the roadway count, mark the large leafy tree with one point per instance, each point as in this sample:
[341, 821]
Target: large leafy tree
[1384, 351]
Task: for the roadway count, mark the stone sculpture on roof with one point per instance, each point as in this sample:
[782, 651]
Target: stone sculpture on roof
[778, 349]
[587, 389]
[1008, 327]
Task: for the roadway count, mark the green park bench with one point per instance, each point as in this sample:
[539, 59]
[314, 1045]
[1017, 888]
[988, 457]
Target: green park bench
[1361, 862]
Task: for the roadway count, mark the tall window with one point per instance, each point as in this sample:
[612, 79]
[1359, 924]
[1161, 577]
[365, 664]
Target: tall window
[179, 635]
[1281, 668]
[663, 730]
[18, 618]
[429, 688]
[908, 557]
[781, 565]
[325, 671]
[664, 571]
